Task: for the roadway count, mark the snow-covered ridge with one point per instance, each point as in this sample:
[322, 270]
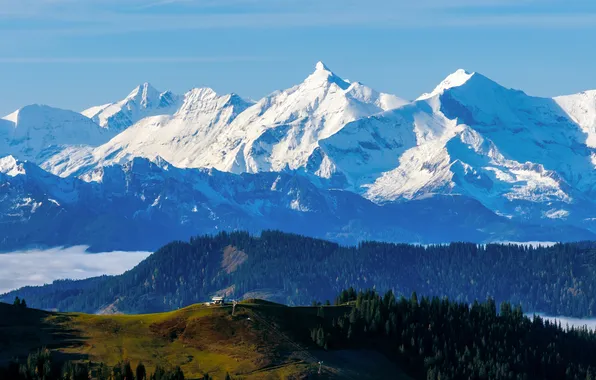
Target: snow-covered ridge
[582, 109]
[226, 132]
[525, 158]
[181, 138]
[458, 78]
[35, 132]
[143, 101]
[283, 130]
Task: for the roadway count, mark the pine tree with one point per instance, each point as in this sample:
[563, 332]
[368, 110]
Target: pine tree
[177, 374]
[103, 372]
[141, 372]
[414, 299]
[320, 312]
[320, 337]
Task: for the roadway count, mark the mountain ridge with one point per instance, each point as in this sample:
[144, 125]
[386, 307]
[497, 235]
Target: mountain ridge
[143, 101]
[527, 159]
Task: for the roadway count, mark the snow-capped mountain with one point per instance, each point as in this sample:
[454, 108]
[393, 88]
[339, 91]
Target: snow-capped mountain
[142, 102]
[228, 133]
[36, 132]
[521, 156]
[283, 130]
[182, 138]
[494, 161]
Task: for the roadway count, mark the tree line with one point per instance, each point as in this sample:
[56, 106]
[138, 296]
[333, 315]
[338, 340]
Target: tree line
[19, 302]
[41, 365]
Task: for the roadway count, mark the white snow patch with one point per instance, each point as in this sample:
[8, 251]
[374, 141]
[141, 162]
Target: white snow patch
[10, 166]
[582, 109]
[556, 214]
[156, 201]
[275, 183]
[296, 205]
[13, 117]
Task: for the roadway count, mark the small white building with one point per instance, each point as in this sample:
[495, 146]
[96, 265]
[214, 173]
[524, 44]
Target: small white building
[218, 300]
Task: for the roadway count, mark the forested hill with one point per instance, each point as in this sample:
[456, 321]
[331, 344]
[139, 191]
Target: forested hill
[558, 280]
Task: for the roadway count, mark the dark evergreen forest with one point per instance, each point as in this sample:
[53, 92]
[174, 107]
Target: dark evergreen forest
[41, 365]
[437, 339]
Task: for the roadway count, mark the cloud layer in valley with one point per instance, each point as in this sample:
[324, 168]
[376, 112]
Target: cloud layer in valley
[38, 267]
[567, 322]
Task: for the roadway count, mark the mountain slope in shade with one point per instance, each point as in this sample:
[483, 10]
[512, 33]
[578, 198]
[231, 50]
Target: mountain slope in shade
[141, 205]
[37, 131]
[143, 101]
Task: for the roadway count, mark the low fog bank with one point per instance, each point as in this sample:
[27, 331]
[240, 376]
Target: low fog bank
[39, 267]
[567, 321]
[534, 244]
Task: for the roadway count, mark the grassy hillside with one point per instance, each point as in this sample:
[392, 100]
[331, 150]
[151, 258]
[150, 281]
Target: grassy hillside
[368, 336]
[261, 340]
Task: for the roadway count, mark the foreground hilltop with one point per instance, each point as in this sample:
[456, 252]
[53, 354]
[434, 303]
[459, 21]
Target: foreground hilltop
[261, 340]
[365, 336]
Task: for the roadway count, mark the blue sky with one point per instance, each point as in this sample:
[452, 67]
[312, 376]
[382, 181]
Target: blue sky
[77, 53]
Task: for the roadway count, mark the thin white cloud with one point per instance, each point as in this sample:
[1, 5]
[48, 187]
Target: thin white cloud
[39, 267]
[109, 16]
[112, 23]
[119, 60]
